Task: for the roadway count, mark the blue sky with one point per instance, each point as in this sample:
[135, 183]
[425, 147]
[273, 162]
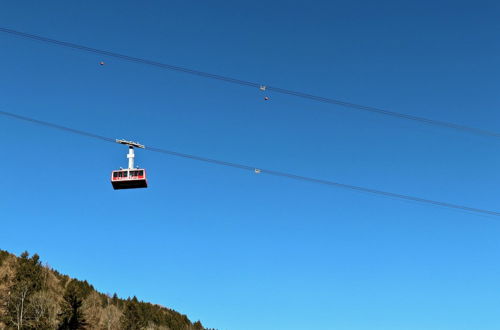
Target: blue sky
[242, 251]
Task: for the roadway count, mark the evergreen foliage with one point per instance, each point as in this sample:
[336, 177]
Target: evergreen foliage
[3, 256]
[26, 283]
[33, 296]
[133, 317]
[71, 315]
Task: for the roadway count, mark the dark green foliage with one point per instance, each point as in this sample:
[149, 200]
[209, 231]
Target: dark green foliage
[63, 279]
[35, 292]
[82, 287]
[27, 281]
[71, 315]
[3, 256]
[132, 316]
[29, 272]
[115, 299]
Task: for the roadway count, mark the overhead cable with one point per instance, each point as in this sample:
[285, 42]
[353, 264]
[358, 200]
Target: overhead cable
[317, 98]
[60, 127]
[262, 170]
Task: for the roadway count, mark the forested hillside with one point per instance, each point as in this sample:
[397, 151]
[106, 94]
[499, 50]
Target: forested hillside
[33, 296]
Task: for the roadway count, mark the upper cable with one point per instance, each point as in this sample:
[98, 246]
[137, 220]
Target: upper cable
[380, 111]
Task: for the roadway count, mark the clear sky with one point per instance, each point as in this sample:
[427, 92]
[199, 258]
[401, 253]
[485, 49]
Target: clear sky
[241, 251]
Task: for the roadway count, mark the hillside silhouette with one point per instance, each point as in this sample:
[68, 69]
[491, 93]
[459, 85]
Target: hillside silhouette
[34, 296]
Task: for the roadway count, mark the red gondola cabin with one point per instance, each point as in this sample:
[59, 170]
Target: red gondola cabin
[129, 179]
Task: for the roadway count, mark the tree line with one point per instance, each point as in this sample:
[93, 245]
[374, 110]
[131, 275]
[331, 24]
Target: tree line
[33, 296]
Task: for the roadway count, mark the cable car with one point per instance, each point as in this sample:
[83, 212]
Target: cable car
[130, 178]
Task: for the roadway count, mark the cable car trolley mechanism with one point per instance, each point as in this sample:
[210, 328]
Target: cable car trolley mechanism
[133, 177]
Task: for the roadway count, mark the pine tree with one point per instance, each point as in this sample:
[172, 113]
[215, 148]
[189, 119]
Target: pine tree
[132, 316]
[197, 325]
[72, 315]
[115, 299]
[33, 297]
[28, 280]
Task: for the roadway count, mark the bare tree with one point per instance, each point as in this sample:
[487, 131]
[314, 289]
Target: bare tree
[44, 309]
[27, 281]
[17, 302]
[92, 308]
[7, 272]
[152, 326]
[110, 318]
